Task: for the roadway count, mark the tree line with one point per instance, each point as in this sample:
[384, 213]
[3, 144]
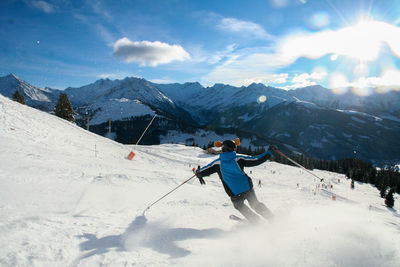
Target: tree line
[386, 180]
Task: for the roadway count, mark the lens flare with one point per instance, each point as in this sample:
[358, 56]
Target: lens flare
[280, 3]
[320, 20]
[361, 70]
[338, 83]
[361, 87]
[262, 99]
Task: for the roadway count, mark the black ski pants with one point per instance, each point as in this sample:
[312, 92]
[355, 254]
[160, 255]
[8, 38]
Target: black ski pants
[259, 207]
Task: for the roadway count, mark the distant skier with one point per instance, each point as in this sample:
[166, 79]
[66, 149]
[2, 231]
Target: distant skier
[237, 184]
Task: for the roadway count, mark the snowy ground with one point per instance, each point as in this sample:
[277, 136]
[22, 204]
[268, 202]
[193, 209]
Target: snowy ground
[71, 198]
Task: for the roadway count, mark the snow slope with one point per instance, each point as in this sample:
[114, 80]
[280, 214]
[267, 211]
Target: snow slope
[69, 197]
[118, 109]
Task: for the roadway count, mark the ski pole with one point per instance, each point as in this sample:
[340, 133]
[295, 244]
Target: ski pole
[297, 164]
[168, 194]
[146, 128]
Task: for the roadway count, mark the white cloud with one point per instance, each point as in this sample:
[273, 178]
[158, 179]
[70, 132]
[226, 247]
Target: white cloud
[243, 27]
[42, 5]
[98, 8]
[306, 79]
[148, 53]
[387, 81]
[108, 75]
[116, 75]
[246, 67]
[163, 81]
[236, 75]
[105, 34]
[362, 41]
[218, 56]
[279, 78]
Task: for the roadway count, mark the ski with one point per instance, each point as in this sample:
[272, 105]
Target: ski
[236, 218]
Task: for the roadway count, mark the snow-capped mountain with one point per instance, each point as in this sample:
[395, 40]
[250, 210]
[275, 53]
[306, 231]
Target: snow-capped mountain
[106, 97]
[203, 102]
[376, 103]
[129, 88]
[330, 133]
[42, 98]
[311, 119]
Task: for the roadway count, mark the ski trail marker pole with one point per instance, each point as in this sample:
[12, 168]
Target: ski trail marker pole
[167, 194]
[131, 155]
[297, 164]
[146, 128]
[334, 196]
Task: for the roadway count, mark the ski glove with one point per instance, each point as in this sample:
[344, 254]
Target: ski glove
[199, 176]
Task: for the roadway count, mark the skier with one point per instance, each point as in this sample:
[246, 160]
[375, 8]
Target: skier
[237, 184]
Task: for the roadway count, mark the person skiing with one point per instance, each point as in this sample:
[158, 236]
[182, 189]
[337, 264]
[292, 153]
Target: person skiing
[237, 184]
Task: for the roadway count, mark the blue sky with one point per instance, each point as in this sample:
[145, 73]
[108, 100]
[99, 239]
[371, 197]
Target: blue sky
[283, 43]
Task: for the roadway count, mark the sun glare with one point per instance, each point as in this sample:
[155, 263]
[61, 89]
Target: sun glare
[262, 99]
[339, 83]
[363, 41]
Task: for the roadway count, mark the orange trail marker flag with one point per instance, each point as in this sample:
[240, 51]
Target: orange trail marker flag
[131, 155]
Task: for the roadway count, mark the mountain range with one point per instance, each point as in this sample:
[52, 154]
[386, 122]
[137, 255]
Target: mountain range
[311, 120]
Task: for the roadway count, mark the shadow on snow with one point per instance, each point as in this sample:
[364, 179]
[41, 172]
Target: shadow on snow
[155, 236]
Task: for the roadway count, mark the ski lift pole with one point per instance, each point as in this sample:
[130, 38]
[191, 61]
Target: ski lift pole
[297, 164]
[167, 194]
[146, 129]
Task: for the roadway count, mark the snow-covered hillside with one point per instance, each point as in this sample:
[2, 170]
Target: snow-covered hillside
[69, 197]
[118, 109]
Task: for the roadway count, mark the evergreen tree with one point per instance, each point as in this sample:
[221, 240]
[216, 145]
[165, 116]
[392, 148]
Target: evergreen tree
[64, 109]
[389, 200]
[383, 191]
[210, 144]
[19, 98]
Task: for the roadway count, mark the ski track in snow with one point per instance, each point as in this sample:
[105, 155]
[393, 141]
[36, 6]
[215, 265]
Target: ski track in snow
[71, 198]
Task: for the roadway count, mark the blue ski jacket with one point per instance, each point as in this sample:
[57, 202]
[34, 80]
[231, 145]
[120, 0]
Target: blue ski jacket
[229, 167]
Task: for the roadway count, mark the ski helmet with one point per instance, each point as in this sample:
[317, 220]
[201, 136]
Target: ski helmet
[228, 146]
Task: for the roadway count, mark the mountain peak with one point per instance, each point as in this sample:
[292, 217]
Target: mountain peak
[257, 85]
[312, 87]
[11, 80]
[193, 84]
[13, 76]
